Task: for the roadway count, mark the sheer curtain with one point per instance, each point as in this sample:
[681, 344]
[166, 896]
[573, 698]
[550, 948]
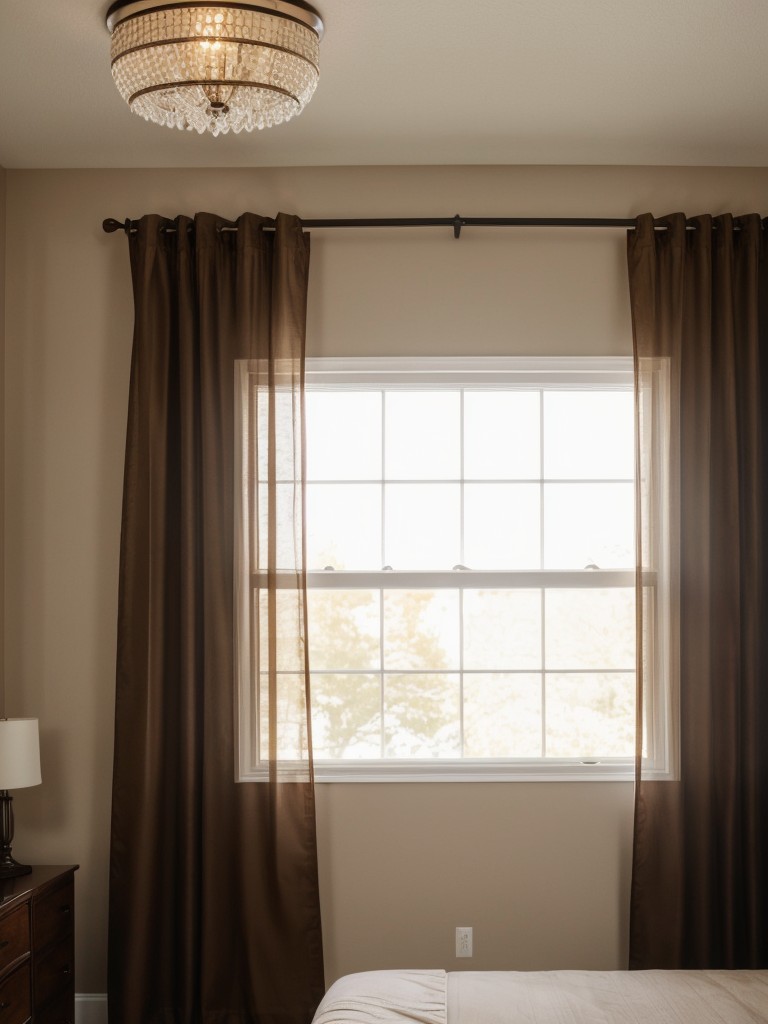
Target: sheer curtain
[698, 298]
[214, 909]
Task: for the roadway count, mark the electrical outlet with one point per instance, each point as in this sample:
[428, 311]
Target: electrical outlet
[463, 942]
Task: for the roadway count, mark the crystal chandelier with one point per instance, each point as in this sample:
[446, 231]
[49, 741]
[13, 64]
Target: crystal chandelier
[215, 67]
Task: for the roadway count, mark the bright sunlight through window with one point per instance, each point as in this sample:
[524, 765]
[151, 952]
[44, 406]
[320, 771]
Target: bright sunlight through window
[470, 569]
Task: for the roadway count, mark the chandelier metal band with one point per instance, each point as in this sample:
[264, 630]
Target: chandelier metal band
[294, 10]
[190, 39]
[215, 67]
[245, 85]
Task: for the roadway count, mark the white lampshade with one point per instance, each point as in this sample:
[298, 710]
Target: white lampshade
[19, 753]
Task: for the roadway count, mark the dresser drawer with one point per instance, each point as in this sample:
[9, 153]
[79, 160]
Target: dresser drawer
[52, 916]
[15, 1003]
[54, 973]
[14, 936]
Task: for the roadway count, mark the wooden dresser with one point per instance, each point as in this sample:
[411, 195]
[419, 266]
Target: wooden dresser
[37, 947]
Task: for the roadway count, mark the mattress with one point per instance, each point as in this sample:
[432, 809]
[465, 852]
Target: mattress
[547, 997]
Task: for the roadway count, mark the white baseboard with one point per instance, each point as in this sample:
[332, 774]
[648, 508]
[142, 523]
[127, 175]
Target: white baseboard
[90, 1008]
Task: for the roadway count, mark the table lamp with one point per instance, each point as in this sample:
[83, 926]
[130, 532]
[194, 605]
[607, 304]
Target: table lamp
[19, 767]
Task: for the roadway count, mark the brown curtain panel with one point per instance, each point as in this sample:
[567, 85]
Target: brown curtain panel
[699, 885]
[214, 908]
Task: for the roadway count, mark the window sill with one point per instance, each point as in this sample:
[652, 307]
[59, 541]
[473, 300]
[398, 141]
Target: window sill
[465, 770]
[472, 771]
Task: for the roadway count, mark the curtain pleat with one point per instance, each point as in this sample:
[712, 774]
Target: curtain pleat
[214, 907]
[698, 298]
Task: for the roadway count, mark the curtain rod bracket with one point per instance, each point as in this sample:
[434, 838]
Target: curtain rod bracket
[457, 224]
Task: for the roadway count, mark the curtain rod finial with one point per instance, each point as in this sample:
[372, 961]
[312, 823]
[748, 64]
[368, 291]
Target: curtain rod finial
[110, 225]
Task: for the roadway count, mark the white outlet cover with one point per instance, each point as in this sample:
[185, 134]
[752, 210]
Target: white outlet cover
[463, 941]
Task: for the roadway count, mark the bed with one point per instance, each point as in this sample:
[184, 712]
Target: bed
[547, 997]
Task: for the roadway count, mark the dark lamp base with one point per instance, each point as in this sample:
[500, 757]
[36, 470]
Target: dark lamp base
[10, 868]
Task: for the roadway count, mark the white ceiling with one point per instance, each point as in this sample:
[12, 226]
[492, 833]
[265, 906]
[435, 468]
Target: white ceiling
[426, 82]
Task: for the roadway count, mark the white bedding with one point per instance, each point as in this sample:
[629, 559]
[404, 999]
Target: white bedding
[547, 997]
[384, 997]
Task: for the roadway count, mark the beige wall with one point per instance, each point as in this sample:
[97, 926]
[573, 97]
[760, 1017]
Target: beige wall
[2, 432]
[539, 870]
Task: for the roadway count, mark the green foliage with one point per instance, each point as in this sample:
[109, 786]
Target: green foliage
[590, 713]
[344, 629]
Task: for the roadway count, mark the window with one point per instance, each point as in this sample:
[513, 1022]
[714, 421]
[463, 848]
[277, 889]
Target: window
[470, 555]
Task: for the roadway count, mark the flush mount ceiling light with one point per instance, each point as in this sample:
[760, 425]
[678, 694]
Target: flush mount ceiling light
[215, 67]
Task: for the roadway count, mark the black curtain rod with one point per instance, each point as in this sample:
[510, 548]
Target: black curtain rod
[457, 223]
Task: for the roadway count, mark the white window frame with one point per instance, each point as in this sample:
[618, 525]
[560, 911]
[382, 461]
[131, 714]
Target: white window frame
[568, 373]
